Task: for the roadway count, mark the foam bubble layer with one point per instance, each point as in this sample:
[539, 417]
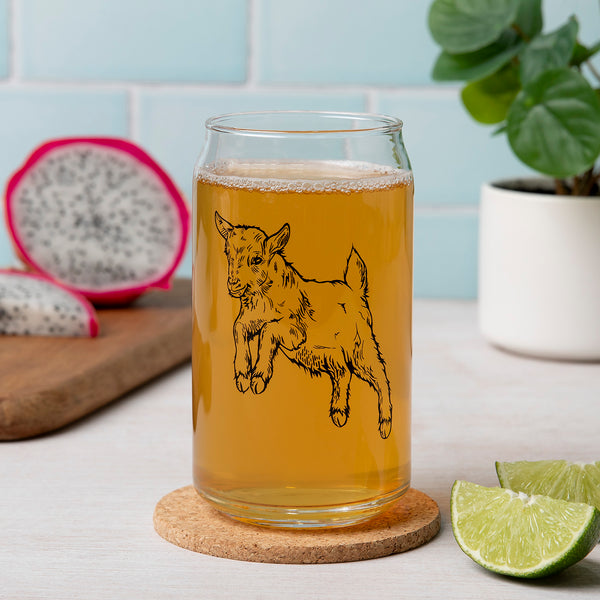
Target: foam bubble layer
[308, 176]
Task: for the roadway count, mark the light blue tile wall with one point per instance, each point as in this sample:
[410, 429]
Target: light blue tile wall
[153, 70]
[141, 40]
[29, 117]
[4, 43]
[445, 254]
[380, 42]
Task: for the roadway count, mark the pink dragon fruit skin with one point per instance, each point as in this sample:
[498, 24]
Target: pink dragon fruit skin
[31, 304]
[127, 157]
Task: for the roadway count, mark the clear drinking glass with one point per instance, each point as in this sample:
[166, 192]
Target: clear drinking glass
[303, 238]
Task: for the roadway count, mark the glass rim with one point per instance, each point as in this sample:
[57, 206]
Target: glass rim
[374, 123]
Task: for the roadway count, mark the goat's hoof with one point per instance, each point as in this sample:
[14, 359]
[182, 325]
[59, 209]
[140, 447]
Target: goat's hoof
[385, 428]
[242, 383]
[339, 417]
[258, 385]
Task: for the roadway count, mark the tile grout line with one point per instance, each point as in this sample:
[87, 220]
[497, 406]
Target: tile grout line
[133, 113]
[252, 45]
[449, 209]
[13, 20]
[370, 101]
[98, 84]
[224, 87]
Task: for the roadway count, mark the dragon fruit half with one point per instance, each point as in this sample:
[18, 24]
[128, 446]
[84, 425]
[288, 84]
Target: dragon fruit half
[31, 304]
[99, 216]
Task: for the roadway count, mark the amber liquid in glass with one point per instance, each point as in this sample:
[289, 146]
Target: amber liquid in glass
[302, 339]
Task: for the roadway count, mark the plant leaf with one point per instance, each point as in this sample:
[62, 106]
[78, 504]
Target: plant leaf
[460, 26]
[489, 99]
[581, 53]
[549, 51]
[529, 17]
[478, 64]
[554, 124]
[499, 130]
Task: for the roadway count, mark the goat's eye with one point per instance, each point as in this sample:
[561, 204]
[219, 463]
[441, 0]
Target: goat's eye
[256, 260]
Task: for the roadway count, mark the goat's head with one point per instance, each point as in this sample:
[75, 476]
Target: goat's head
[249, 251]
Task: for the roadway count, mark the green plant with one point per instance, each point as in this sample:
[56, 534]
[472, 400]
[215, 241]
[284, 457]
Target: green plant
[531, 83]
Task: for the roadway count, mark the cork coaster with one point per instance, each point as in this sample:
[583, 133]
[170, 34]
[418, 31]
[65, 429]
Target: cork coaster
[186, 520]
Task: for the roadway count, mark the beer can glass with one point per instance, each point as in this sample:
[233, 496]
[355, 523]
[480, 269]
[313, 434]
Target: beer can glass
[302, 279]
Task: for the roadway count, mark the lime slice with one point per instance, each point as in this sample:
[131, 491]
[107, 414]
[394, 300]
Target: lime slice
[577, 482]
[519, 535]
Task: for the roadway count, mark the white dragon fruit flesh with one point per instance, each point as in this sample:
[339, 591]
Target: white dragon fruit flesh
[31, 304]
[98, 215]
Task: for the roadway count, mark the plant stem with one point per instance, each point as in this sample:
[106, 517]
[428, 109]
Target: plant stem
[521, 33]
[584, 184]
[592, 180]
[560, 188]
[579, 183]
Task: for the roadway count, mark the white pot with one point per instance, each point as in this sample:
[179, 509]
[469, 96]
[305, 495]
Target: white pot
[539, 273]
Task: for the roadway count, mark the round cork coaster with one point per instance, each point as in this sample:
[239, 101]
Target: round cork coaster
[185, 519]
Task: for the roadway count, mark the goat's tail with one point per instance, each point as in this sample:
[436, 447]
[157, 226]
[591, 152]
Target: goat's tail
[355, 274]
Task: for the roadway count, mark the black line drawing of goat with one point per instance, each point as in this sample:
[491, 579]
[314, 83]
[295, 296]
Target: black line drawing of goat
[287, 313]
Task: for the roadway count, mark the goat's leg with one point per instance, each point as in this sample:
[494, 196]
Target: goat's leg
[268, 342]
[272, 335]
[369, 366]
[339, 409]
[242, 363]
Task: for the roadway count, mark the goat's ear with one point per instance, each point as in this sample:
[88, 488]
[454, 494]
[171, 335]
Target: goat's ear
[224, 227]
[277, 241]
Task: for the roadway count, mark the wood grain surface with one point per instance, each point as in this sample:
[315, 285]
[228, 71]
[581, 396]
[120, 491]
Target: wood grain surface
[46, 383]
[185, 519]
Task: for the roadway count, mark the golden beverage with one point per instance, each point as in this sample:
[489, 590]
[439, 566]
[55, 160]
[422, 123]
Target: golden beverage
[302, 338]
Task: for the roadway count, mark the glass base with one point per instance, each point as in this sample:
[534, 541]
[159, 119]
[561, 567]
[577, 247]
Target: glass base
[305, 517]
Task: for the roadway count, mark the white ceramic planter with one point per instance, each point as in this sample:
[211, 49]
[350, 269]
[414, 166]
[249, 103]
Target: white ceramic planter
[539, 273]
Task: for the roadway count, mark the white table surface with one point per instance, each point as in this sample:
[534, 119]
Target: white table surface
[76, 506]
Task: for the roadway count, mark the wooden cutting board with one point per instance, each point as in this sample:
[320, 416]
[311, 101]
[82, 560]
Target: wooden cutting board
[46, 382]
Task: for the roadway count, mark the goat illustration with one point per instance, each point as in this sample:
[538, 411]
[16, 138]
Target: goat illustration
[325, 327]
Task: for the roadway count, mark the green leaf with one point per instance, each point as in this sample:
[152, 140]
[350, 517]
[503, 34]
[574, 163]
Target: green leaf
[489, 99]
[554, 124]
[460, 26]
[582, 53]
[478, 64]
[529, 17]
[549, 51]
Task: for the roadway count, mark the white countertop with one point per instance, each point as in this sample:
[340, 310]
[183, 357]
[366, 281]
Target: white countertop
[76, 506]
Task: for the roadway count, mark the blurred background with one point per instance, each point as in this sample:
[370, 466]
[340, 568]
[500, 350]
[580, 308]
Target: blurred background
[154, 70]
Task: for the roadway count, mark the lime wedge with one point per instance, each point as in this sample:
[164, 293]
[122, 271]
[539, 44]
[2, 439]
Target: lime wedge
[519, 535]
[577, 482]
